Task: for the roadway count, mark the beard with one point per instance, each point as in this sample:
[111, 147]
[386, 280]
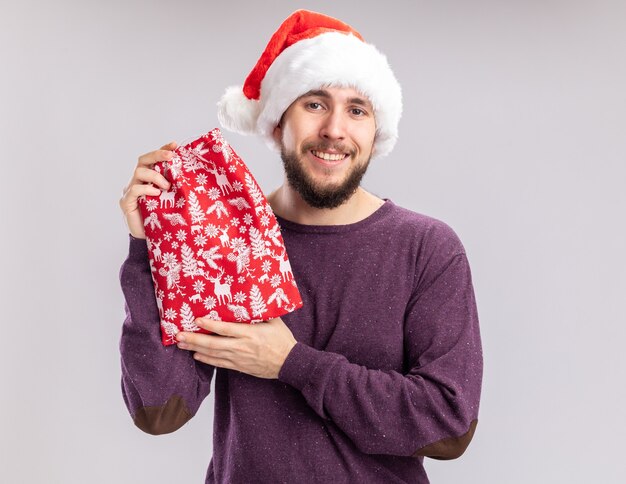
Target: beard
[317, 195]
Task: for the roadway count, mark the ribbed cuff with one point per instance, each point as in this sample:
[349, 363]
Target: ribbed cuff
[299, 366]
[137, 249]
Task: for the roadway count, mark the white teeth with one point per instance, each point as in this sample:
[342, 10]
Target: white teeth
[329, 156]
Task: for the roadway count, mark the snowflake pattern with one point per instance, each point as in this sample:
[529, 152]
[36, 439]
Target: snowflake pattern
[198, 286]
[238, 244]
[200, 240]
[169, 259]
[213, 193]
[209, 302]
[211, 230]
[205, 261]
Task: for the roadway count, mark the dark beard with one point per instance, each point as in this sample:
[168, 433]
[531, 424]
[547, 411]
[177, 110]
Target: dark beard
[316, 196]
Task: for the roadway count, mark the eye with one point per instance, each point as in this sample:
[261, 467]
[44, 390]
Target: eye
[358, 112]
[315, 106]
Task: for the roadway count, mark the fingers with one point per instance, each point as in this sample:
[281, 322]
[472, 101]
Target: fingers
[210, 345]
[170, 146]
[145, 181]
[144, 173]
[149, 159]
[162, 154]
[140, 184]
[132, 193]
[148, 175]
[220, 327]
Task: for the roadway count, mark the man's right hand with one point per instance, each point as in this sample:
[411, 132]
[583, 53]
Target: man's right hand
[139, 185]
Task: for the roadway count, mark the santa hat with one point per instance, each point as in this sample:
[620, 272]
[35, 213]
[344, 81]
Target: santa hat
[309, 51]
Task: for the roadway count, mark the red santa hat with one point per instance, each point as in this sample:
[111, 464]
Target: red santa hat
[309, 51]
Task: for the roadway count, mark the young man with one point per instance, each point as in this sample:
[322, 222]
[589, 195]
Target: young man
[382, 366]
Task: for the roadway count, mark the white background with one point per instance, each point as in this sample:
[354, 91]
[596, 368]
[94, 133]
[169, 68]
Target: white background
[512, 133]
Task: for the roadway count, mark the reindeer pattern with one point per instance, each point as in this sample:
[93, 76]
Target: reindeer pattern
[218, 253]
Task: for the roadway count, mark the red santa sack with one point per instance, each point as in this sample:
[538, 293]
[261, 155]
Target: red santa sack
[214, 244]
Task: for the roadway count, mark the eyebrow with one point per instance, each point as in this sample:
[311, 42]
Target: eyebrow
[324, 94]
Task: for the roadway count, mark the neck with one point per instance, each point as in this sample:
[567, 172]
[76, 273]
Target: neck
[288, 204]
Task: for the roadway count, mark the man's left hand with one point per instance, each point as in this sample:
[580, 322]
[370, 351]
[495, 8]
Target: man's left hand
[256, 349]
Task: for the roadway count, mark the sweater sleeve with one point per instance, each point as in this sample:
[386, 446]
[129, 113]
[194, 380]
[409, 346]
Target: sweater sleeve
[162, 386]
[431, 409]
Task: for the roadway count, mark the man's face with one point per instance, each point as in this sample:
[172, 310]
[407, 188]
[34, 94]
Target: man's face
[326, 138]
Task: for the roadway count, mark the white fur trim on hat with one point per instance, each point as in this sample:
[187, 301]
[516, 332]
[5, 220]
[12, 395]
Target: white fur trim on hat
[330, 59]
[236, 112]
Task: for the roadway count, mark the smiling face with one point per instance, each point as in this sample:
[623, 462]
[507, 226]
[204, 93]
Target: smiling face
[326, 138]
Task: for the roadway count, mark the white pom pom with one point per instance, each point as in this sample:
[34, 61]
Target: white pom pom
[236, 112]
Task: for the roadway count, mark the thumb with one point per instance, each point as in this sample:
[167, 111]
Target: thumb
[169, 146]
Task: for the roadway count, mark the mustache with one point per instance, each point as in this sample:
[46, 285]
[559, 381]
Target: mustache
[326, 146]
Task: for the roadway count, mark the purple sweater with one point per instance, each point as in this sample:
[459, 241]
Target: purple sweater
[387, 368]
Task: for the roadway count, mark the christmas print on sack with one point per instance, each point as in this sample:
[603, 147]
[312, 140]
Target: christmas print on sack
[214, 244]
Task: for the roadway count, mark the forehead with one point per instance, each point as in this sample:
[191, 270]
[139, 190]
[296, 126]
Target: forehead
[347, 95]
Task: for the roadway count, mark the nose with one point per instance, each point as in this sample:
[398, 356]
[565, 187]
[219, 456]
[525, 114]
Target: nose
[333, 126]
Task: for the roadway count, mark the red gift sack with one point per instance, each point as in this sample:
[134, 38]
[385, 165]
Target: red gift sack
[214, 244]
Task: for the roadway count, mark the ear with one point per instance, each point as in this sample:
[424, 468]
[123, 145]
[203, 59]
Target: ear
[376, 136]
[277, 134]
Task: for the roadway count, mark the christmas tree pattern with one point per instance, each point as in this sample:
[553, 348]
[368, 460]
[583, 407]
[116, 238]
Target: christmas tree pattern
[214, 245]
[257, 303]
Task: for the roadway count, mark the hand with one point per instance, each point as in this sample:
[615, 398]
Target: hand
[256, 349]
[138, 186]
